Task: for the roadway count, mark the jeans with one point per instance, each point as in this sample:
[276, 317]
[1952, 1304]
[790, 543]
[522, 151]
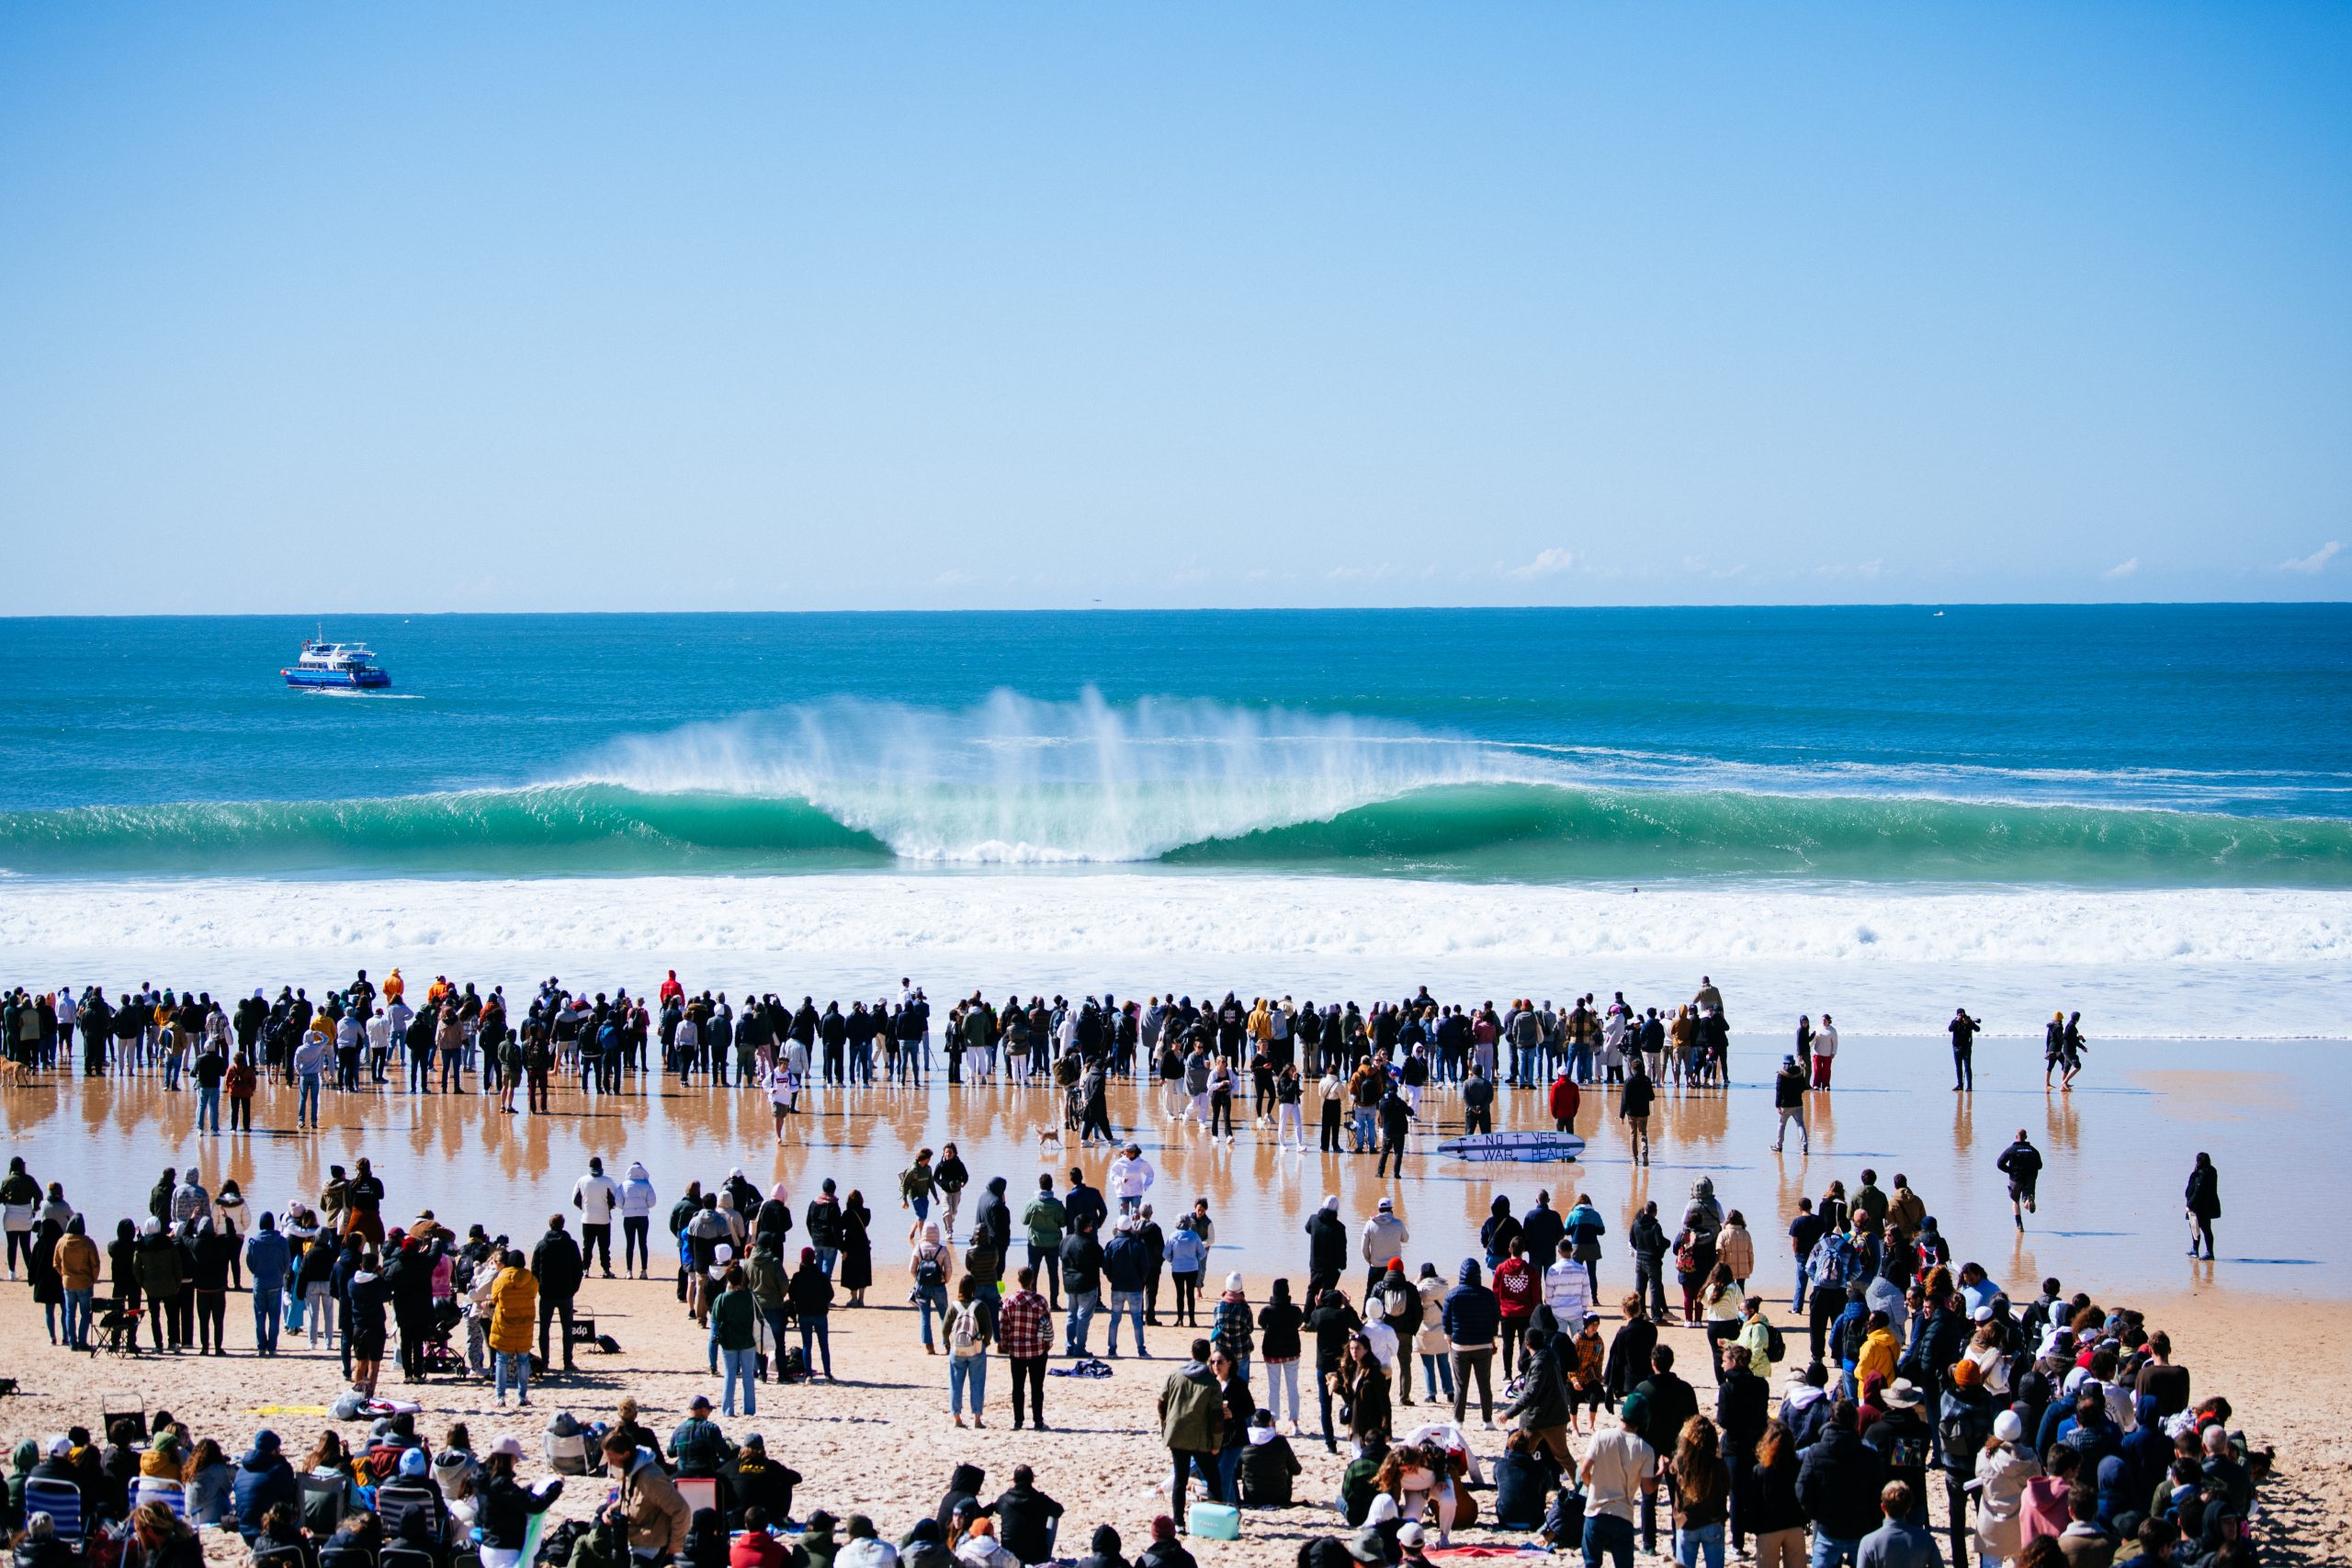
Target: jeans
[317, 1311]
[634, 1251]
[1829, 1549]
[511, 1368]
[1029, 1377]
[1127, 1303]
[208, 1106]
[77, 1319]
[1047, 1261]
[932, 1298]
[826, 1258]
[967, 1372]
[1436, 1373]
[547, 1310]
[1469, 1365]
[1364, 1132]
[742, 1366]
[1796, 1302]
[1608, 1537]
[1691, 1544]
[306, 1105]
[269, 1307]
[817, 1329]
[1178, 1487]
[1082, 1304]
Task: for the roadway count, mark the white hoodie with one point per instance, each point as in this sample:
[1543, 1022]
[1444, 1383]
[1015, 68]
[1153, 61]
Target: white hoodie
[1131, 1178]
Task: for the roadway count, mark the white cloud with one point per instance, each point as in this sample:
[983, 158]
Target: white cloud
[1547, 563]
[2121, 569]
[2316, 562]
[1361, 573]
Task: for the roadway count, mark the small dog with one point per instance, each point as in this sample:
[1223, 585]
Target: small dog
[14, 1071]
[1049, 1136]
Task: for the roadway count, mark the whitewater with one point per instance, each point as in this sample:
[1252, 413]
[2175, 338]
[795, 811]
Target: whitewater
[2220, 963]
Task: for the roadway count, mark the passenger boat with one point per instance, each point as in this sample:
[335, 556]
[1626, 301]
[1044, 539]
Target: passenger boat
[336, 666]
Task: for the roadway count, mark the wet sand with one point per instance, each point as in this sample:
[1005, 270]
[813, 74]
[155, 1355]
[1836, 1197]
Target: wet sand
[2119, 1149]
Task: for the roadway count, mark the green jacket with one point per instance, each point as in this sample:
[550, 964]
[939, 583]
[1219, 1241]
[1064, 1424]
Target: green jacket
[1191, 1410]
[768, 1282]
[733, 1317]
[1044, 1216]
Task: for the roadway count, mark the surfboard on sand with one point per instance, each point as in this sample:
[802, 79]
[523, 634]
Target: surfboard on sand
[1530, 1147]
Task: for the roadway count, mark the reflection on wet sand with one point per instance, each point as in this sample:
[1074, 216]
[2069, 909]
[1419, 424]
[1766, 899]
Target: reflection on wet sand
[2117, 1153]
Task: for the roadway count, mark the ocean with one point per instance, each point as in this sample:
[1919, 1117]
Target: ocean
[2148, 806]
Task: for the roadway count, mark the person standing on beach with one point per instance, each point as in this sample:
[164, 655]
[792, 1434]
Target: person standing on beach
[2203, 1203]
[2021, 1163]
[1824, 1052]
[1788, 1101]
[2054, 1046]
[1964, 1031]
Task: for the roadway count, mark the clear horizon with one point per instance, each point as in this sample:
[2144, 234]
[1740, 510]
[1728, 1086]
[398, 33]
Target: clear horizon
[444, 311]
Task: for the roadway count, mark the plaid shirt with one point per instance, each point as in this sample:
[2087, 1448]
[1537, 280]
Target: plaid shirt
[1025, 1327]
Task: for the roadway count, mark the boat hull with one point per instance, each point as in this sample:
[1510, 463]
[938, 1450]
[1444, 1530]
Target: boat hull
[336, 680]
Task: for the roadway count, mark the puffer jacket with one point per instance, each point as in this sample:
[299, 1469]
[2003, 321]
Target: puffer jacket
[513, 1308]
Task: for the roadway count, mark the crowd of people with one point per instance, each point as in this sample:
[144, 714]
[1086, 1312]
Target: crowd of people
[2052, 1429]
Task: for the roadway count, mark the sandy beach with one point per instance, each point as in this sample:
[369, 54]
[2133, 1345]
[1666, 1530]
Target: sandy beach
[881, 1441]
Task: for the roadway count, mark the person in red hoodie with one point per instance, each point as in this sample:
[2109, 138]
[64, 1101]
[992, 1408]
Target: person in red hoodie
[1517, 1290]
[1566, 1100]
[754, 1547]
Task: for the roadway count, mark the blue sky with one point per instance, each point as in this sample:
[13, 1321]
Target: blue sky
[602, 307]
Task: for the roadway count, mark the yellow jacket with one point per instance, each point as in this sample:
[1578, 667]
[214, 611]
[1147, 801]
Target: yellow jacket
[513, 1306]
[1879, 1352]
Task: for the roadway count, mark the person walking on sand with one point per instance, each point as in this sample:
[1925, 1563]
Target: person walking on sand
[2054, 1046]
[2071, 1046]
[1633, 1103]
[1788, 1103]
[2203, 1203]
[2021, 1163]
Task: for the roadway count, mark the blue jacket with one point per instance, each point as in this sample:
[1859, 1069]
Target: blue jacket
[266, 1255]
[1126, 1262]
[262, 1479]
[1471, 1313]
[1186, 1252]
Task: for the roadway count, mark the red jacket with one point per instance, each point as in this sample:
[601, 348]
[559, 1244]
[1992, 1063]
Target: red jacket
[1565, 1099]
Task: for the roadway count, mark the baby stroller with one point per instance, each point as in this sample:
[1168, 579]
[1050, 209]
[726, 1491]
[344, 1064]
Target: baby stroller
[434, 1357]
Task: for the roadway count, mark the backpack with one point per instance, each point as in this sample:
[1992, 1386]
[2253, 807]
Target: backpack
[962, 1332]
[928, 1272]
[1775, 1345]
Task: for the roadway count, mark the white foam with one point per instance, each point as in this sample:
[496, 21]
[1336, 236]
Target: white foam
[2220, 962]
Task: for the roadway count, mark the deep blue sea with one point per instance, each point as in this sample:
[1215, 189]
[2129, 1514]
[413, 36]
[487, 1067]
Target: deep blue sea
[2141, 746]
